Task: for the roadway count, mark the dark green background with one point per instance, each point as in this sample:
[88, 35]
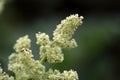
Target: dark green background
[97, 56]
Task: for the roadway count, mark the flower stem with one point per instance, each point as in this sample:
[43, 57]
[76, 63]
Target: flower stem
[43, 59]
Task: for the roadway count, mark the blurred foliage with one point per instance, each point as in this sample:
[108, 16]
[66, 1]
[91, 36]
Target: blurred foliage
[98, 54]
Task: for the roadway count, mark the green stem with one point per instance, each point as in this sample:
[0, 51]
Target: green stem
[43, 59]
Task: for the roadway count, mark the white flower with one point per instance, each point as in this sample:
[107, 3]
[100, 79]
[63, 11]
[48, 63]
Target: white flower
[55, 55]
[70, 75]
[42, 38]
[22, 42]
[4, 76]
[65, 30]
[26, 67]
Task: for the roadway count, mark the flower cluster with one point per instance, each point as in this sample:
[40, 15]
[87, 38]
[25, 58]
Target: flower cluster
[65, 30]
[4, 76]
[25, 67]
[23, 42]
[66, 75]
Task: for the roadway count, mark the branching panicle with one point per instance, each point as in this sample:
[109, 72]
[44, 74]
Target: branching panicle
[25, 67]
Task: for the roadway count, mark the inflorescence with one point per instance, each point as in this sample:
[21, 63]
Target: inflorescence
[22, 61]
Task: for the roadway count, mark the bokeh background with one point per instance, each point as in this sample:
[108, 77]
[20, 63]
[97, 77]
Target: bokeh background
[98, 55]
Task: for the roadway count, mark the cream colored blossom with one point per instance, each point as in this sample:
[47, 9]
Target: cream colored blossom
[70, 75]
[42, 38]
[55, 55]
[4, 76]
[22, 42]
[25, 67]
[66, 75]
[64, 31]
